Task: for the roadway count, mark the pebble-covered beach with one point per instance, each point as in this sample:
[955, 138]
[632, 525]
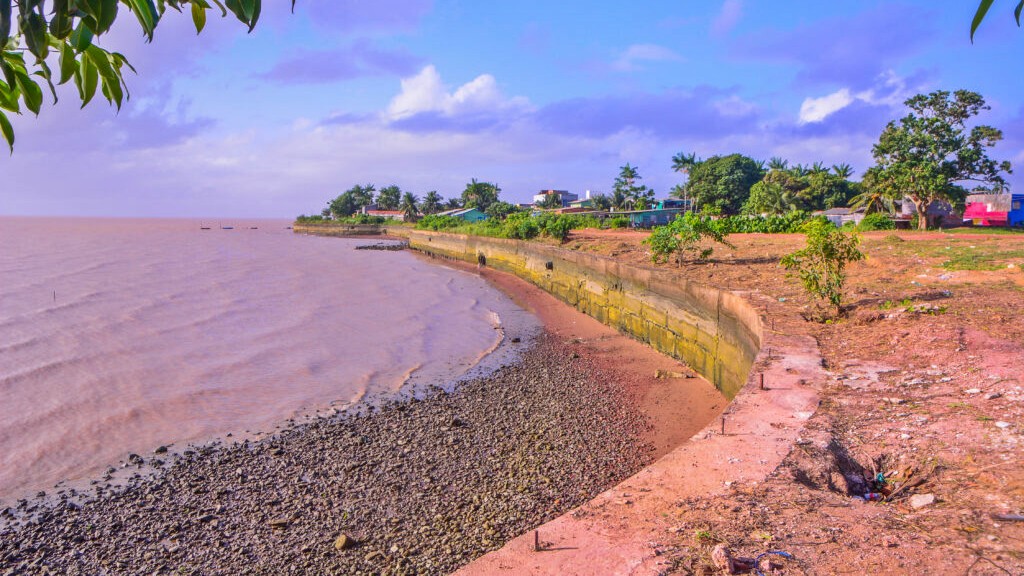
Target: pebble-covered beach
[418, 486]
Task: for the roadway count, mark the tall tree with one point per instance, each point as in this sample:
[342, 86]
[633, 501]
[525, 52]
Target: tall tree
[601, 202]
[778, 163]
[500, 210]
[453, 203]
[826, 190]
[68, 29]
[432, 203]
[871, 197]
[924, 155]
[389, 198]
[480, 195]
[628, 190]
[408, 207]
[550, 201]
[352, 200]
[722, 183]
[843, 170]
[682, 162]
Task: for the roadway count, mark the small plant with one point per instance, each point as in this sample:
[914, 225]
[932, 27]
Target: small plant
[876, 221]
[821, 265]
[704, 536]
[684, 235]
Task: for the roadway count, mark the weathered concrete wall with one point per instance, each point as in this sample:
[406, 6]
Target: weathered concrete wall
[342, 230]
[715, 332]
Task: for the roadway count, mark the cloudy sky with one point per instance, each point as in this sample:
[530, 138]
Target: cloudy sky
[531, 95]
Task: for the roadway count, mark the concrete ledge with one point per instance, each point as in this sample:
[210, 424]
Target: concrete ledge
[720, 334]
[717, 333]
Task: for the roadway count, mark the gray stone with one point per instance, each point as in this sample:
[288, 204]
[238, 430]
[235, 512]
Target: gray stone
[922, 500]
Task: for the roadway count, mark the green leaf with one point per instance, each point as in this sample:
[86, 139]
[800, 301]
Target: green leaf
[86, 78]
[5, 22]
[247, 11]
[223, 10]
[146, 13]
[119, 61]
[1017, 12]
[7, 130]
[198, 16]
[98, 15]
[33, 30]
[81, 38]
[61, 23]
[101, 60]
[112, 91]
[979, 16]
[68, 63]
[47, 74]
[31, 93]
[9, 98]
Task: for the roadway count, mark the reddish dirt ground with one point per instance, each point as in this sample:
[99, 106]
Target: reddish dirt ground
[924, 387]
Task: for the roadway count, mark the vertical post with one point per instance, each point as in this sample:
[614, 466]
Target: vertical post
[536, 540]
[761, 378]
[723, 425]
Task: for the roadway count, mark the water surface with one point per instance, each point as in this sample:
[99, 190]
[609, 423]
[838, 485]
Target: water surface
[119, 335]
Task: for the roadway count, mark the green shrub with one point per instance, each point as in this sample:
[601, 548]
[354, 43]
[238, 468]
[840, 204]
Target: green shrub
[520, 226]
[821, 265]
[876, 221]
[437, 222]
[617, 222]
[773, 224]
[684, 235]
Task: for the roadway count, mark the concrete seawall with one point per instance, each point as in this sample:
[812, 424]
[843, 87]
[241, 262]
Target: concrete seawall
[338, 230]
[716, 332]
[720, 334]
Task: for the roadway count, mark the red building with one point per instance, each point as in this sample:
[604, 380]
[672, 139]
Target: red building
[995, 209]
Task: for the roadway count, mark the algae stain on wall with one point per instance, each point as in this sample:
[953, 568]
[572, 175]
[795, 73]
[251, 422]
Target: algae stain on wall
[716, 332]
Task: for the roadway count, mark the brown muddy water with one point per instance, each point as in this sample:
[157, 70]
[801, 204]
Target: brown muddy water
[121, 335]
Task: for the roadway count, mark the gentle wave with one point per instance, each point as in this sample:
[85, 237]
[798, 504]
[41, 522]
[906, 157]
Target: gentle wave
[163, 333]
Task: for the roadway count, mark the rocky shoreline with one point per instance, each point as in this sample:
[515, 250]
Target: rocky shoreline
[418, 486]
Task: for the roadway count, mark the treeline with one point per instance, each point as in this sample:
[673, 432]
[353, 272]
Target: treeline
[925, 157]
[345, 207]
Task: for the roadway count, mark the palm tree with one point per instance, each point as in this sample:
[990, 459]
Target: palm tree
[453, 203]
[432, 203]
[777, 163]
[818, 168]
[408, 207]
[843, 170]
[682, 163]
[601, 201]
[873, 200]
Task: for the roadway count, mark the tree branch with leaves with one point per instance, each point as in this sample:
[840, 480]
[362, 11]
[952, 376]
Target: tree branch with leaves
[35, 35]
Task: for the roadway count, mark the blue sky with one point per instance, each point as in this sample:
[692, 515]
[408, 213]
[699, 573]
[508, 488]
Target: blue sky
[531, 95]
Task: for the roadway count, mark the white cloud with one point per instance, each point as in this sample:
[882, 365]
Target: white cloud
[890, 90]
[817, 109]
[728, 17]
[426, 92]
[637, 53]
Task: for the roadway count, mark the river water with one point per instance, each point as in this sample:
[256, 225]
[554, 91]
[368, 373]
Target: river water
[120, 335]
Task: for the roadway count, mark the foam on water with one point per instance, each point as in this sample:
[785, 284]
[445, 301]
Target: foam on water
[161, 332]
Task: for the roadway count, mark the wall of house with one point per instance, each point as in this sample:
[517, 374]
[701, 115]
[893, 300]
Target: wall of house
[716, 332]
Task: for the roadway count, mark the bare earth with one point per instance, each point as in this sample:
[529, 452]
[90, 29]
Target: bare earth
[924, 387]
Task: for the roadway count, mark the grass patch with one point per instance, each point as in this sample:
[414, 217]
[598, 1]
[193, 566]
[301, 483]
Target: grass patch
[985, 230]
[971, 261]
